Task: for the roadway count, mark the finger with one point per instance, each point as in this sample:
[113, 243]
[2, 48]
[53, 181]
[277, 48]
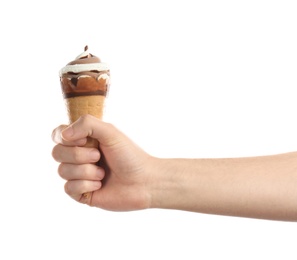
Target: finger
[81, 172]
[77, 188]
[91, 126]
[58, 139]
[75, 154]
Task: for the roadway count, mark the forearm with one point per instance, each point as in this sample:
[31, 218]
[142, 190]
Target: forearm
[257, 187]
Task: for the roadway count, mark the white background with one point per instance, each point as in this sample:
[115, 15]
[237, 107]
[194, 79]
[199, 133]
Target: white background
[189, 79]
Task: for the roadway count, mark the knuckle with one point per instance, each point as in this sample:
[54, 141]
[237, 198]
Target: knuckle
[82, 185]
[56, 153]
[67, 188]
[77, 154]
[61, 170]
[85, 118]
[56, 133]
[88, 172]
[84, 172]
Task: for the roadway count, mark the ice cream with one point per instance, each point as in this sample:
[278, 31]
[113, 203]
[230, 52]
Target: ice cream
[85, 84]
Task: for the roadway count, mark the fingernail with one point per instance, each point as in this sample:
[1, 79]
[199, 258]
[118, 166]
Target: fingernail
[97, 185]
[68, 132]
[100, 173]
[81, 142]
[94, 155]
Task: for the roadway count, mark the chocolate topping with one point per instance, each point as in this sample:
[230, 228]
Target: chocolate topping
[86, 75]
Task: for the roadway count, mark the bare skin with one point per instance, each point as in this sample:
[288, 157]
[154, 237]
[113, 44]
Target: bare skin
[127, 178]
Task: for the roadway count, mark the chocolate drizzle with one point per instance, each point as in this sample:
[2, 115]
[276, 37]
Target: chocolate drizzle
[74, 81]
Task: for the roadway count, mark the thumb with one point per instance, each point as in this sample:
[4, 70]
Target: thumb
[90, 126]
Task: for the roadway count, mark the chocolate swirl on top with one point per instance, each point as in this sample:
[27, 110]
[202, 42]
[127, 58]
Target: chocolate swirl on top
[86, 75]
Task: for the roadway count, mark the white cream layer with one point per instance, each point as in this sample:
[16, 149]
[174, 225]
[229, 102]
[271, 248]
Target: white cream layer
[77, 68]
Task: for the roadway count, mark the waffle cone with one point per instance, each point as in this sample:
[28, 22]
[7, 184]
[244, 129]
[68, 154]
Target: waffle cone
[82, 105]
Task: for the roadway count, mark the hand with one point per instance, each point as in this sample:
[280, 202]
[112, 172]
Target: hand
[119, 181]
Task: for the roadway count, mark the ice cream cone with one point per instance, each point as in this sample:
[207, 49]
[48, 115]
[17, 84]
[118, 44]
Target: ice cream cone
[85, 84]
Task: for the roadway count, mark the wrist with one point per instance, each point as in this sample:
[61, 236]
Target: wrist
[166, 184]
